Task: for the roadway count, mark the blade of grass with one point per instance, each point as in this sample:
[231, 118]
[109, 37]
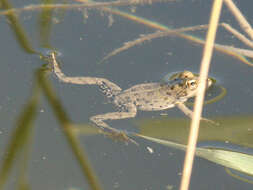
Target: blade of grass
[23, 183]
[235, 160]
[17, 28]
[64, 121]
[45, 24]
[198, 105]
[20, 136]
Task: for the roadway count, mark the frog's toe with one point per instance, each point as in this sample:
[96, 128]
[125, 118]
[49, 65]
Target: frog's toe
[121, 136]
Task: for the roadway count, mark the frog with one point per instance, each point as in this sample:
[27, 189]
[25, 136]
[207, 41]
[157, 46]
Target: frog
[155, 96]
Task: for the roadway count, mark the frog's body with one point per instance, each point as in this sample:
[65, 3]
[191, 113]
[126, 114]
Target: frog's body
[152, 96]
[147, 96]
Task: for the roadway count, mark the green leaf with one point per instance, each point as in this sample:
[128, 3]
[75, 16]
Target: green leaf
[20, 137]
[235, 160]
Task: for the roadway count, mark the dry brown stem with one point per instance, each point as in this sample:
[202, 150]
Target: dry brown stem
[198, 105]
[244, 24]
[94, 5]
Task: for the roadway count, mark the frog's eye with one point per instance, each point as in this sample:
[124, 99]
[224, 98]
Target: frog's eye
[192, 84]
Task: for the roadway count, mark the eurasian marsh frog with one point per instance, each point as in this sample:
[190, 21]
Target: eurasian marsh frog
[147, 96]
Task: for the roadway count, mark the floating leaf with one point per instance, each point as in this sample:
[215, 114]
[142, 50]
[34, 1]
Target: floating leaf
[235, 160]
[234, 129]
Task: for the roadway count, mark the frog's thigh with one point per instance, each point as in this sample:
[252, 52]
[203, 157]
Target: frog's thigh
[131, 112]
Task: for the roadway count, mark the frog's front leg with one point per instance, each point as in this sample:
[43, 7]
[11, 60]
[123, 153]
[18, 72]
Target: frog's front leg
[189, 113]
[108, 88]
[130, 112]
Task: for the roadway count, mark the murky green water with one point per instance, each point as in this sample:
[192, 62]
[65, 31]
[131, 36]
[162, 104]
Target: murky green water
[82, 44]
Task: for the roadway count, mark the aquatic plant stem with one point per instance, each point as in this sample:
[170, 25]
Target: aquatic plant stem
[66, 124]
[198, 105]
[244, 24]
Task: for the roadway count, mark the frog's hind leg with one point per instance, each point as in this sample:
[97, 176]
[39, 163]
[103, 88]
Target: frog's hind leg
[108, 88]
[130, 112]
[189, 113]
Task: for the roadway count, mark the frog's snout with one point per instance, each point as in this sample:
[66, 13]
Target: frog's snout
[210, 82]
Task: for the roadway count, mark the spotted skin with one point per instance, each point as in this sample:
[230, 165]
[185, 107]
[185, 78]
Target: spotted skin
[146, 97]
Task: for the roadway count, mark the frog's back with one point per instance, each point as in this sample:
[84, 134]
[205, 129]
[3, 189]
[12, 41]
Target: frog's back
[149, 96]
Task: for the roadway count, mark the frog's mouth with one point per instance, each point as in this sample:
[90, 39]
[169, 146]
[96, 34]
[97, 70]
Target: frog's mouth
[210, 81]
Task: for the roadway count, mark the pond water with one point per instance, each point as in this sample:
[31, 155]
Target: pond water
[82, 43]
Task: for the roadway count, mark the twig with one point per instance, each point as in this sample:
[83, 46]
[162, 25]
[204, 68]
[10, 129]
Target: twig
[73, 6]
[237, 34]
[244, 24]
[193, 136]
[148, 37]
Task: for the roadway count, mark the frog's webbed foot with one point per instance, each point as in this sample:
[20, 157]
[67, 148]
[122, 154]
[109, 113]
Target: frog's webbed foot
[115, 133]
[189, 113]
[121, 136]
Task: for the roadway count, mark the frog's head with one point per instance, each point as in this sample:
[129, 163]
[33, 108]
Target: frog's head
[187, 84]
[191, 83]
